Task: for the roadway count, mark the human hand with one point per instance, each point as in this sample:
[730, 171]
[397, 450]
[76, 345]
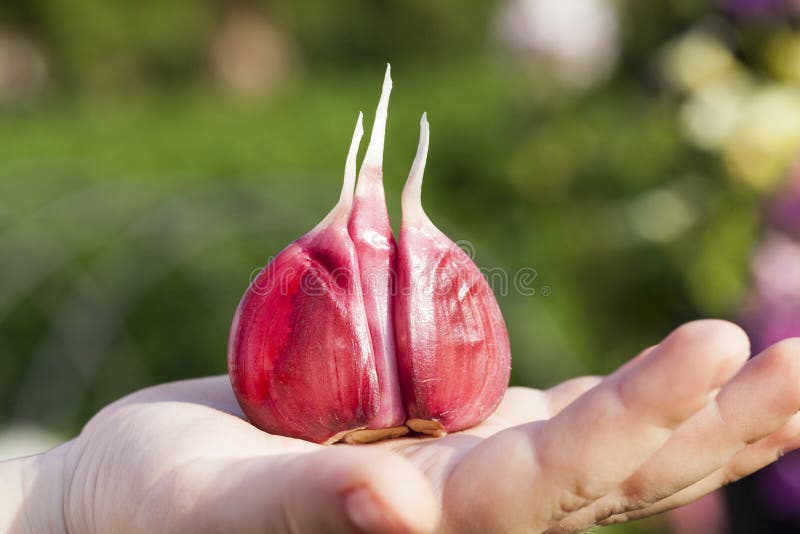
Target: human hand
[676, 422]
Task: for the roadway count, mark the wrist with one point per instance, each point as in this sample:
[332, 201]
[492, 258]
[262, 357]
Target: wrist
[33, 493]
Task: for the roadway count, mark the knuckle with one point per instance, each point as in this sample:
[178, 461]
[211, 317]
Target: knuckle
[572, 500]
[731, 475]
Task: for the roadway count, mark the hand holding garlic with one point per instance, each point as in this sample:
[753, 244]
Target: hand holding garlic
[676, 422]
[327, 345]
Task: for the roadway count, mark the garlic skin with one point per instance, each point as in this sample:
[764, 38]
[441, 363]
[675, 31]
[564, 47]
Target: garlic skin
[377, 251]
[299, 353]
[453, 351]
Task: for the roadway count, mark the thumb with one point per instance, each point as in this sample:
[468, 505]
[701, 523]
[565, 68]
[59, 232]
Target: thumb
[337, 489]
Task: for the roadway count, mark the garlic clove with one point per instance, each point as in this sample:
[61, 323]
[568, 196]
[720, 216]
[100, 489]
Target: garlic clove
[453, 353]
[376, 250]
[300, 354]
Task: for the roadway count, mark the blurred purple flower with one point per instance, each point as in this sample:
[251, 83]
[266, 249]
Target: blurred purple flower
[776, 272]
[775, 321]
[774, 315]
[784, 212]
[754, 8]
[779, 488]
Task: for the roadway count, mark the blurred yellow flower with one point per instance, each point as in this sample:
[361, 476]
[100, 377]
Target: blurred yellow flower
[783, 56]
[766, 138]
[696, 59]
[660, 215]
[712, 113]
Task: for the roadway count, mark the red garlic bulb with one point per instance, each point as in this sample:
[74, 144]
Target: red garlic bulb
[453, 350]
[346, 336]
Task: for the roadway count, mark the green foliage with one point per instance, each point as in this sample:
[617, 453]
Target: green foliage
[117, 45]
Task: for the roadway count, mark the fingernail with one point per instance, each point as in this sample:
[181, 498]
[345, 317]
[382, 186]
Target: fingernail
[371, 515]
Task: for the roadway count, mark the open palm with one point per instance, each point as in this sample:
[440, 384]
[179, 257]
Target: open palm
[676, 422]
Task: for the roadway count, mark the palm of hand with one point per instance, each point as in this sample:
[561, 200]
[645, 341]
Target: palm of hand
[676, 422]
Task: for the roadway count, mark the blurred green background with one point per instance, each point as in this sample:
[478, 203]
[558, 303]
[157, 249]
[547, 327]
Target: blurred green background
[154, 154]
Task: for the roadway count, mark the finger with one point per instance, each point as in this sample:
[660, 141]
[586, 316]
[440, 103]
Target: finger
[521, 405]
[753, 405]
[540, 472]
[631, 414]
[747, 461]
[758, 401]
[764, 395]
[524, 405]
[338, 489]
[565, 393]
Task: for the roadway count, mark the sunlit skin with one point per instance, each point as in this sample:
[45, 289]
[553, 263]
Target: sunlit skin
[674, 423]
